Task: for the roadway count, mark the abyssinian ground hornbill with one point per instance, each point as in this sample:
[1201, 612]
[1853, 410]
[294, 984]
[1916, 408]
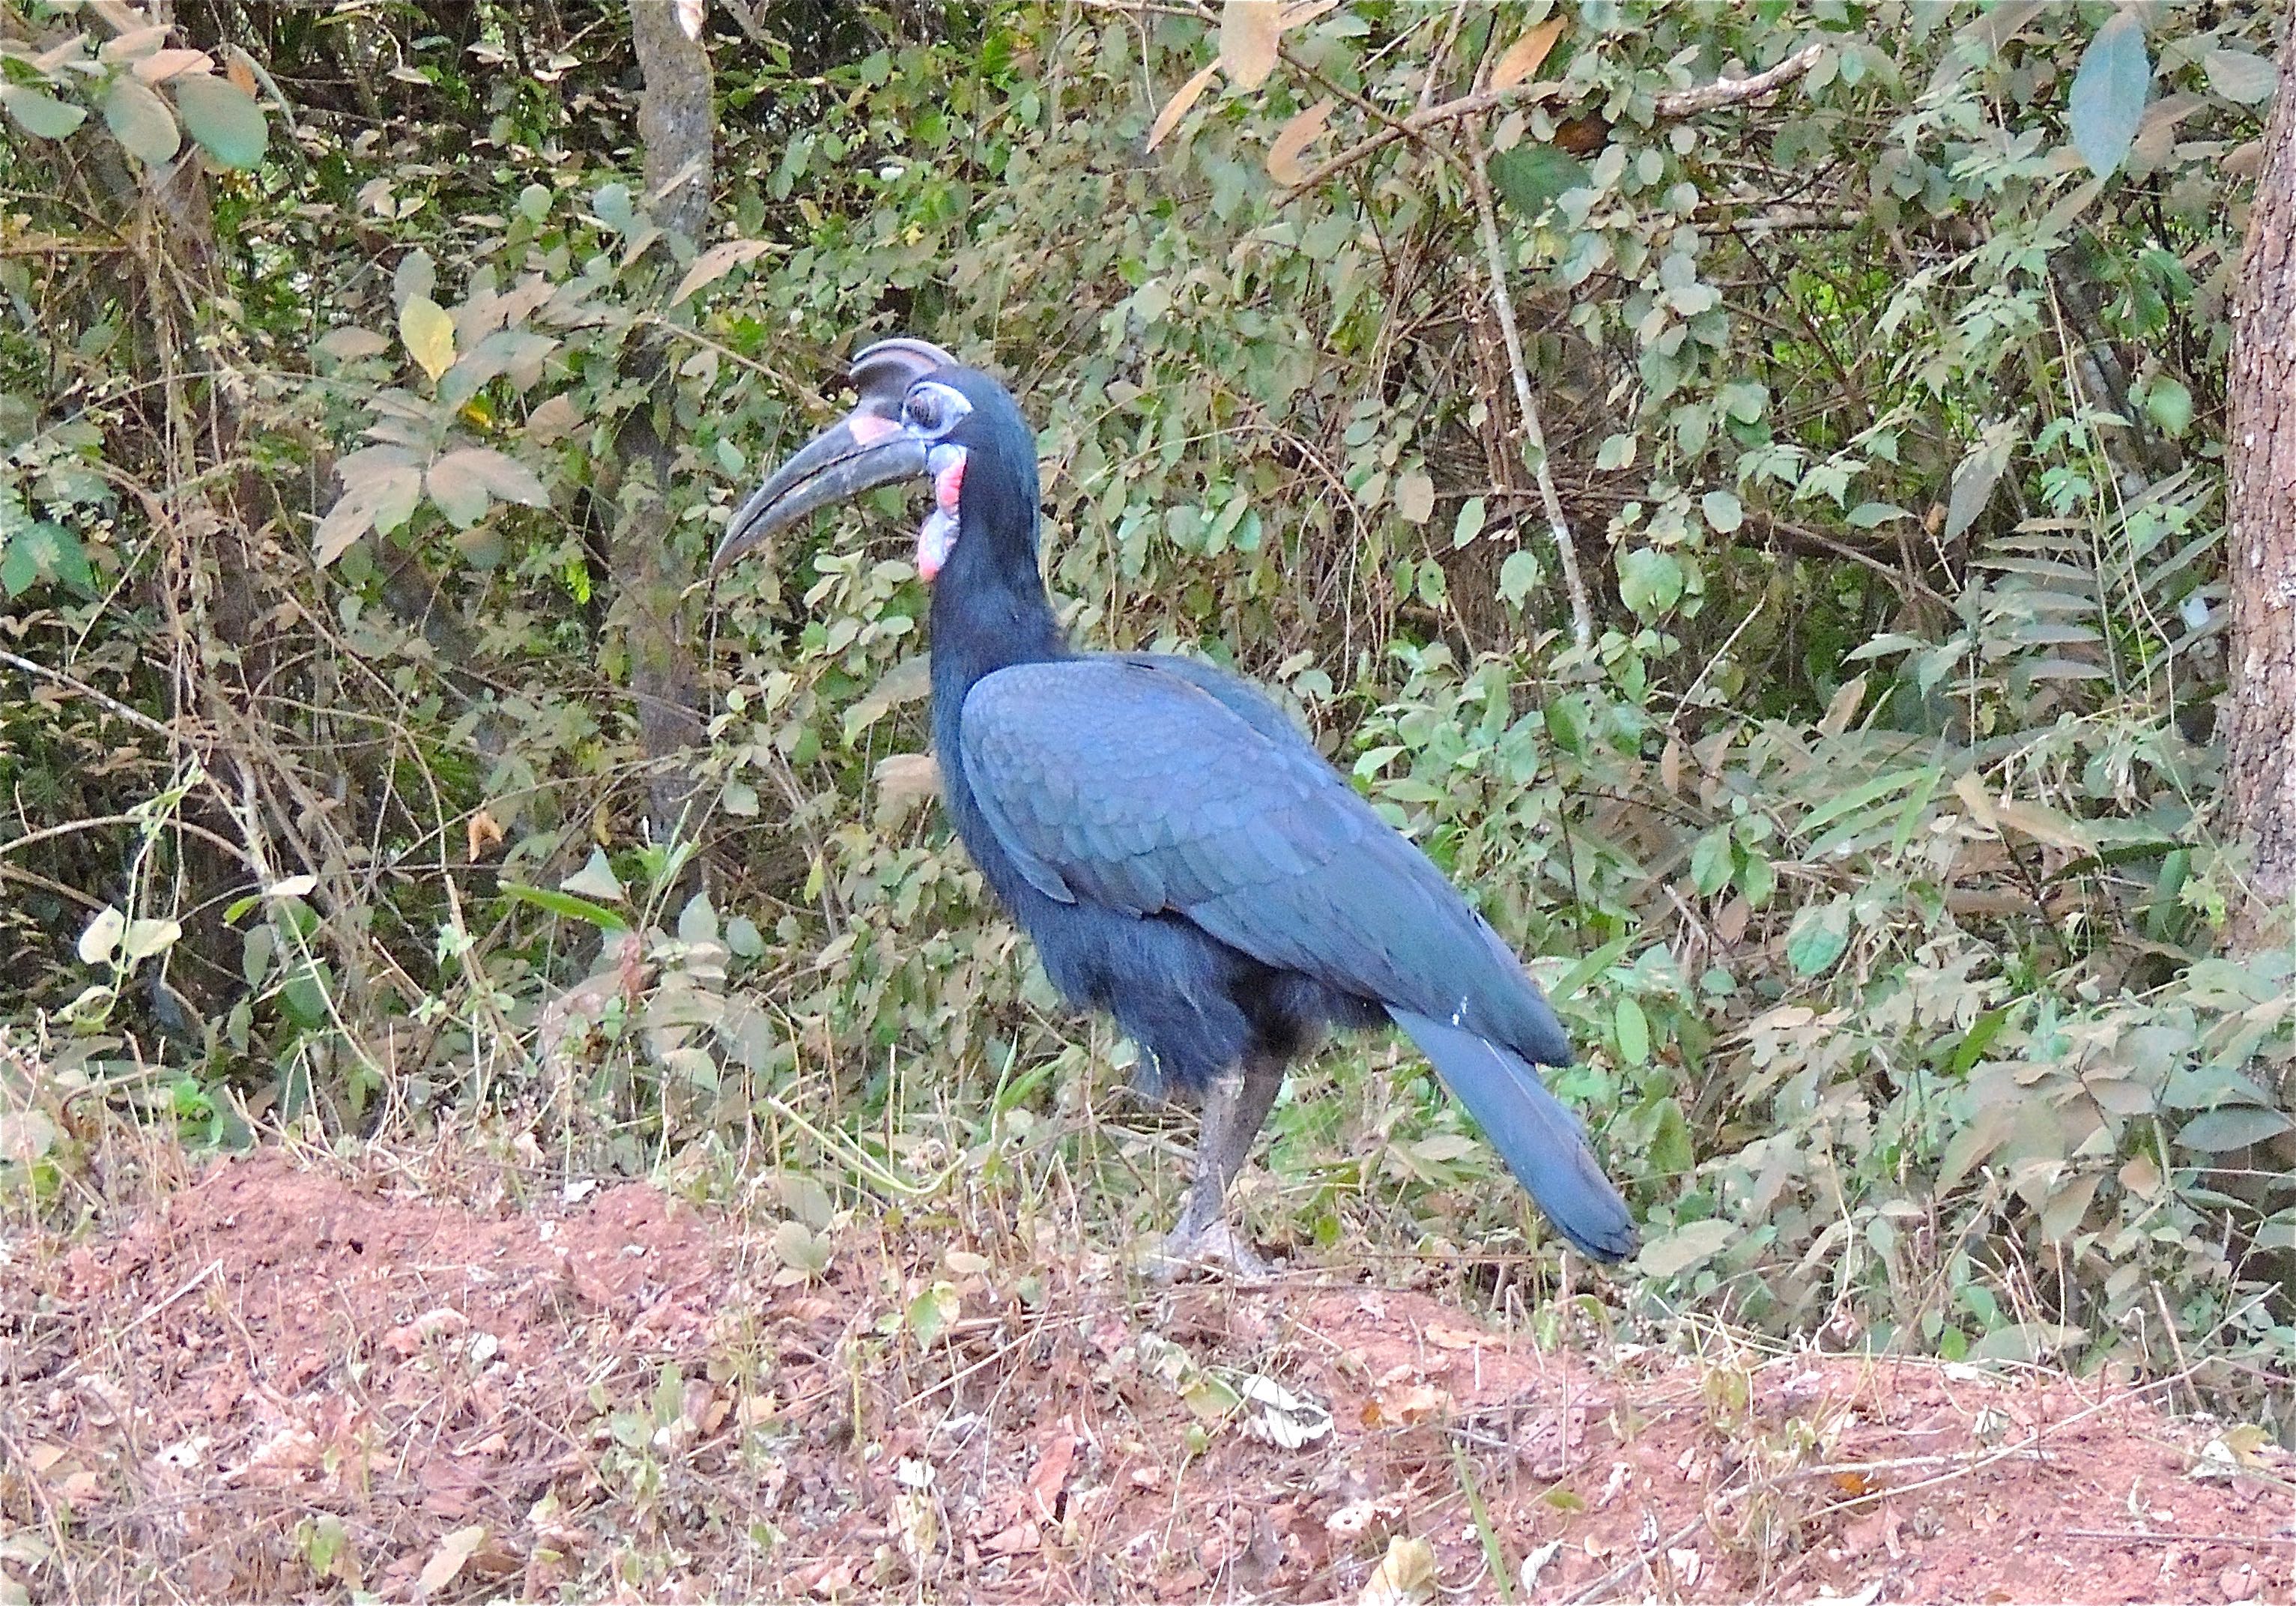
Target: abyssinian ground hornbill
[1182, 857]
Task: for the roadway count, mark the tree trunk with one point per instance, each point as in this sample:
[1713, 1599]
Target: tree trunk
[650, 574]
[2260, 535]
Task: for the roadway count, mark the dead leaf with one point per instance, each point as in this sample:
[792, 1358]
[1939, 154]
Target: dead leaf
[1178, 106]
[1250, 32]
[1284, 165]
[1051, 1475]
[715, 263]
[1524, 56]
[1404, 1575]
[1406, 1405]
[482, 832]
[447, 1561]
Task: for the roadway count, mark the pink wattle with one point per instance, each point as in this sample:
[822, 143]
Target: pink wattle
[938, 536]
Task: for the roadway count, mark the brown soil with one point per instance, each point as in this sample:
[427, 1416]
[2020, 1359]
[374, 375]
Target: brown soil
[292, 1383]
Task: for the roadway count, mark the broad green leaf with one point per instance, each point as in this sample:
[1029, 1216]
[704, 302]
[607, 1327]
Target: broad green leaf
[2240, 77]
[2169, 405]
[596, 879]
[1634, 1032]
[568, 905]
[1530, 175]
[1519, 576]
[2108, 96]
[1686, 1247]
[1818, 937]
[1650, 581]
[140, 121]
[39, 113]
[2233, 1128]
[1468, 524]
[1724, 512]
[1709, 861]
[428, 334]
[1616, 452]
[224, 117]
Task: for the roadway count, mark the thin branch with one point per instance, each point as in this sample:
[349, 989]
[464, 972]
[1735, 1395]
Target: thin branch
[1582, 613]
[1668, 108]
[1732, 92]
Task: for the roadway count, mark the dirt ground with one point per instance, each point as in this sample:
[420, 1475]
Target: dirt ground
[303, 1378]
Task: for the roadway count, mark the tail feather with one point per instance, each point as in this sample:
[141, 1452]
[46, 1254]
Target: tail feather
[1544, 1144]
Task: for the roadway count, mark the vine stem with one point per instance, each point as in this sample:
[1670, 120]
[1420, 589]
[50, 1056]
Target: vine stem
[1582, 614]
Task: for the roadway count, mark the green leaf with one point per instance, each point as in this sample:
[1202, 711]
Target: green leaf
[39, 113]
[42, 551]
[1686, 1246]
[2169, 405]
[1468, 524]
[1818, 936]
[1616, 452]
[2235, 1128]
[1709, 861]
[1519, 576]
[140, 121]
[2240, 77]
[1530, 175]
[2108, 94]
[1650, 581]
[567, 905]
[223, 117]
[1867, 515]
[596, 879]
[1634, 1032]
[1724, 512]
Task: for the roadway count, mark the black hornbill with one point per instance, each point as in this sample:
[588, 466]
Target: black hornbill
[1182, 857]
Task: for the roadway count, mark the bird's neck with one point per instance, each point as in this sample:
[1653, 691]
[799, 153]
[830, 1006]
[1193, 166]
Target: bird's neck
[977, 630]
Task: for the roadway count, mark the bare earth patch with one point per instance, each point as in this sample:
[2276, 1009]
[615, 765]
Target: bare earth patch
[291, 1383]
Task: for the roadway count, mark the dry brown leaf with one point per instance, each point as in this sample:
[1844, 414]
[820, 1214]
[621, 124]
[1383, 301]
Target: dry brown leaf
[1051, 1475]
[1524, 56]
[482, 832]
[447, 1559]
[1407, 1404]
[1294, 137]
[1177, 108]
[1404, 1575]
[240, 73]
[1250, 32]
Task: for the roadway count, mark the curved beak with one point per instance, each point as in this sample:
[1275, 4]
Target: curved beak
[864, 450]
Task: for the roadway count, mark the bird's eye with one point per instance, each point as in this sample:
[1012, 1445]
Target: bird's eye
[925, 410]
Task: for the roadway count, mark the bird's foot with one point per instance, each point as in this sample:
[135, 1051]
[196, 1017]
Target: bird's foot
[1214, 1244]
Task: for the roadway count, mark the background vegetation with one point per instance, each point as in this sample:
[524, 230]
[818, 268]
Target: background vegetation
[368, 399]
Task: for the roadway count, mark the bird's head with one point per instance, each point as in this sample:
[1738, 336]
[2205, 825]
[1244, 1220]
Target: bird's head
[922, 415]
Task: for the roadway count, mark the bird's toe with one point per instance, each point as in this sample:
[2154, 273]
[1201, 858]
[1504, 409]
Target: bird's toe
[1213, 1247]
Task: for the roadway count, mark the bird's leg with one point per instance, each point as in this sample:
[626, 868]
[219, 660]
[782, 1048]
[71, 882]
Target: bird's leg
[1234, 1108]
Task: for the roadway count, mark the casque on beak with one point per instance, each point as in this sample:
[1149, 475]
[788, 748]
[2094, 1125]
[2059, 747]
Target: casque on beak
[869, 446]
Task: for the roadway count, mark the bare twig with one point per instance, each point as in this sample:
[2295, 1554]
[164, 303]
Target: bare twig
[1732, 92]
[1582, 614]
[1669, 108]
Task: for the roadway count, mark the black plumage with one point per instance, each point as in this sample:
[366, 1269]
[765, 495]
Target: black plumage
[1182, 857]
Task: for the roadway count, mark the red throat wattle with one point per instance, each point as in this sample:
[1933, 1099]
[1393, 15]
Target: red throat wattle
[938, 536]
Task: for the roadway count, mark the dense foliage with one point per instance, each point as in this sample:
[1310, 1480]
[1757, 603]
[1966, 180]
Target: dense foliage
[1870, 832]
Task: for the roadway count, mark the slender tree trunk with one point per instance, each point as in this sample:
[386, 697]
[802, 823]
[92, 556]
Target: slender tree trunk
[651, 577]
[2260, 756]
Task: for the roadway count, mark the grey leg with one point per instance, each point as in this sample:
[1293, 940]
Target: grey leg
[1234, 1110]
